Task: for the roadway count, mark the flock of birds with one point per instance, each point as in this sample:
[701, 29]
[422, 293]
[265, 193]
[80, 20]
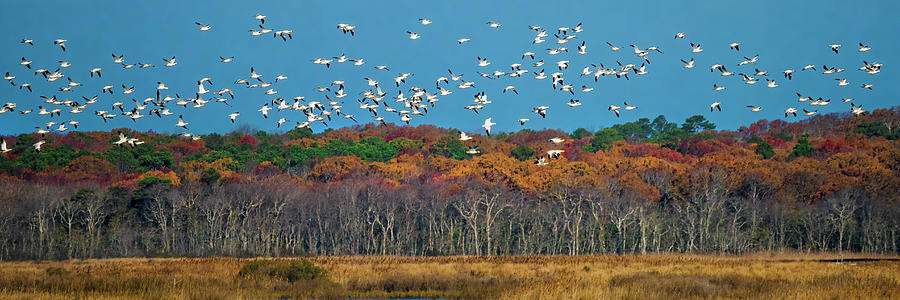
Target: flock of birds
[411, 102]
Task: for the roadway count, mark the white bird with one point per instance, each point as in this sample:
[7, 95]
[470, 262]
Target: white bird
[629, 107]
[226, 59]
[735, 46]
[612, 47]
[37, 146]
[842, 82]
[574, 103]
[863, 48]
[680, 35]
[487, 125]
[463, 40]
[345, 28]
[233, 116]
[615, 109]
[493, 24]
[522, 121]
[27, 41]
[834, 47]
[181, 123]
[61, 43]
[582, 49]
[413, 35]
[790, 110]
[788, 74]
[425, 21]
[688, 64]
[510, 88]
[718, 88]
[483, 62]
[203, 27]
[170, 62]
[96, 71]
[261, 18]
[856, 110]
[464, 137]
[3, 148]
[715, 105]
[810, 113]
[556, 140]
[867, 86]
[771, 83]
[754, 108]
[696, 48]
[265, 110]
[26, 63]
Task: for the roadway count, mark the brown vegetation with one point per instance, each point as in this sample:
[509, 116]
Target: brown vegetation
[762, 276]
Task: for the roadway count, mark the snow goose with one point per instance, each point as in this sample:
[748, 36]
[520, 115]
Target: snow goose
[614, 109]
[203, 27]
[463, 40]
[464, 137]
[96, 71]
[487, 126]
[834, 47]
[735, 46]
[788, 74]
[790, 111]
[680, 35]
[493, 24]
[867, 86]
[413, 35]
[261, 18]
[688, 64]
[612, 47]
[170, 62]
[26, 41]
[863, 48]
[696, 48]
[715, 105]
[754, 108]
[61, 43]
[26, 63]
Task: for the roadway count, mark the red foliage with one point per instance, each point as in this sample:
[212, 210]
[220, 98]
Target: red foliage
[832, 146]
[777, 143]
[247, 139]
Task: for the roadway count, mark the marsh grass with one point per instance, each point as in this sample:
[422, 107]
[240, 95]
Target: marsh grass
[763, 276]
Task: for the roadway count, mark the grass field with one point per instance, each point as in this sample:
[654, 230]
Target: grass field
[781, 276]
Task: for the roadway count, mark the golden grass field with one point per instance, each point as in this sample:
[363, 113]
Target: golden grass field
[764, 276]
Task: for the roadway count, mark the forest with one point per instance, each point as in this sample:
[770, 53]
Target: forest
[828, 183]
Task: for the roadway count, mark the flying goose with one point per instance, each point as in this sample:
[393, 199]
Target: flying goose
[834, 47]
[867, 86]
[261, 18]
[26, 63]
[715, 105]
[493, 24]
[856, 110]
[37, 146]
[96, 71]
[234, 116]
[788, 74]
[345, 28]
[863, 48]
[735, 46]
[615, 109]
[696, 48]
[203, 27]
[612, 47]
[789, 111]
[464, 137]
[510, 88]
[463, 40]
[680, 35]
[61, 43]
[170, 62]
[718, 88]
[574, 103]
[413, 35]
[487, 126]
[265, 110]
[810, 113]
[425, 21]
[26, 41]
[483, 62]
[688, 64]
[181, 123]
[226, 59]
[754, 108]
[583, 48]
[629, 107]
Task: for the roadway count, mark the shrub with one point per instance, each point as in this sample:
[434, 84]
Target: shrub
[290, 271]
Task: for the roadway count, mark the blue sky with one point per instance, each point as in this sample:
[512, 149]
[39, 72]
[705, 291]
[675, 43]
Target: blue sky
[785, 34]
